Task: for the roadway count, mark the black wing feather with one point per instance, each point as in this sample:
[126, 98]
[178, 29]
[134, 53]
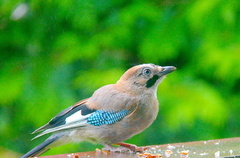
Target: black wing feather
[60, 119]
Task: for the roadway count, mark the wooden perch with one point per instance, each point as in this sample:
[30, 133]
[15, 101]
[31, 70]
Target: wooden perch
[221, 148]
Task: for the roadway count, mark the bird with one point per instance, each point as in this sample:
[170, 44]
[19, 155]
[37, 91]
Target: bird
[113, 114]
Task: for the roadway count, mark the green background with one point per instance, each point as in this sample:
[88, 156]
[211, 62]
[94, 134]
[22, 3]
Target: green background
[55, 53]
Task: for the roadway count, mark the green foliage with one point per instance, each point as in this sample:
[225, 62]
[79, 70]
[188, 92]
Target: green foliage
[54, 53]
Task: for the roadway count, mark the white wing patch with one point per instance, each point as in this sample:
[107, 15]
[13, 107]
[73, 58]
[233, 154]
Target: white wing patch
[77, 116]
[73, 121]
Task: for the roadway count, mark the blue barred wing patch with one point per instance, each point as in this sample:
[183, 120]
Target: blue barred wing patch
[101, 117]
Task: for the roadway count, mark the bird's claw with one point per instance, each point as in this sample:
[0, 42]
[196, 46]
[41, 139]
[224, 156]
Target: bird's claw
[133, 147]
[124, 147]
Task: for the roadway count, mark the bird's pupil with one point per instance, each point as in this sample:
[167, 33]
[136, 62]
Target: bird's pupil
[147, 71]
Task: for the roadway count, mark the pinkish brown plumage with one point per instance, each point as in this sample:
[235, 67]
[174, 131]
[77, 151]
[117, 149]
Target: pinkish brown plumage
[111, 115]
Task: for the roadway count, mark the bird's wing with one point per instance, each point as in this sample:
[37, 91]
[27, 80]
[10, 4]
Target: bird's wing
[80, 115]
[61, 118]
[72, 117]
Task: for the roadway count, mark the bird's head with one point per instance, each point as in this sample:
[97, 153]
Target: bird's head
[145, 76]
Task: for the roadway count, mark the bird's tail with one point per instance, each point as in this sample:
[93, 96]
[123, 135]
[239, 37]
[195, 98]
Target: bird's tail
[41, 148]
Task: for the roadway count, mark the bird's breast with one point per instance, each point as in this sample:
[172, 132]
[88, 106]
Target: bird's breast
[146, 112]
[140, 119]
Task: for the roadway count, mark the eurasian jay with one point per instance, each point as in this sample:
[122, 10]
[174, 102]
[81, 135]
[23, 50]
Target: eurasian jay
[113, 113]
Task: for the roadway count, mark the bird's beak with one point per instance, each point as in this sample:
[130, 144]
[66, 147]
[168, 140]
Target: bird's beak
[166, 70]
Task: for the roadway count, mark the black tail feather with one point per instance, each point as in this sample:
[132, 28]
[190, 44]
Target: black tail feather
[40, 148]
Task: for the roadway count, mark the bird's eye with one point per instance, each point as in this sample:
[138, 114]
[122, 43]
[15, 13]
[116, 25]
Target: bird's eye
[147, 71]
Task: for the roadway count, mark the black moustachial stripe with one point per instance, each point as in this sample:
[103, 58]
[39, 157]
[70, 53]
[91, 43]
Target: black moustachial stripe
[152, 81]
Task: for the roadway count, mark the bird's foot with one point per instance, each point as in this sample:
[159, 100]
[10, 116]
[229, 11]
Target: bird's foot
[119, 149]
[133, 147]
[124, 147]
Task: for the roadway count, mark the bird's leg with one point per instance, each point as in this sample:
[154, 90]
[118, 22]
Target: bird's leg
[133, 147]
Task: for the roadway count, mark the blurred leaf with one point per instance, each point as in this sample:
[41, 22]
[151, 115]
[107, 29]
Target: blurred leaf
[11, 83]
[194, 100]
[71, 47]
